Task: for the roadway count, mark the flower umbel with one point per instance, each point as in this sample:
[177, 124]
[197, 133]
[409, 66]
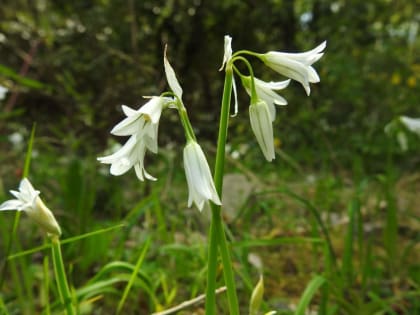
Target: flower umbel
[261, 124]
[200, 182]
[297, 66]
[28, 200]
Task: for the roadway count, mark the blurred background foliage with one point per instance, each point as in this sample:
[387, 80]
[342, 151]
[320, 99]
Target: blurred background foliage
[69, 65]
[88, 57]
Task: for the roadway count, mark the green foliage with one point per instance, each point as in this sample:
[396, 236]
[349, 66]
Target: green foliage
[334, 218]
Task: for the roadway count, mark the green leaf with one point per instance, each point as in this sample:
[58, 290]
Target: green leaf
[308, 294]
[11, 74]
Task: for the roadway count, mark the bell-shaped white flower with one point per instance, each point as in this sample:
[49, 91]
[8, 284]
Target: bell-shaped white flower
[28, 200]
[142, 127]
[261, 124]
[412, 124]
[144, 121]
[200, 182]
[297, 66]
[131, 154]
[171, 77]
[266, 92]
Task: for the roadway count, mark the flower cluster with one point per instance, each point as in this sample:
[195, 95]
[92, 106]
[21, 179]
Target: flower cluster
[262, 111]
[142, 128]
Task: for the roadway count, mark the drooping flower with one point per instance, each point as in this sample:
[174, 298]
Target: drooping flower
[144, 121]
[200, 182]
[131, 154]
[412, 124]
[265, 92]
[142, 127]
[297, 66]
[261, 124]
[28, 200]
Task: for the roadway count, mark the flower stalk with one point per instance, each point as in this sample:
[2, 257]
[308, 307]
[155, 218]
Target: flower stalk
[60, 276]
[217, 237]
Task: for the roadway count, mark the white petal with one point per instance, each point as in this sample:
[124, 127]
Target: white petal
[12, 204]
[128, 126]
[270, 97]
[26, 187]
[123, 151]
[412, 124]
[262, 127]
[227, 51]
[289, 68]
[139, 166]
[273, 85]
[235, 95]
[265, 92]
[44, 217]
[200, 182]
[313, 75]
[153, 109]
[121, 166]
[308, 57]
[171, 77]
[128, 111]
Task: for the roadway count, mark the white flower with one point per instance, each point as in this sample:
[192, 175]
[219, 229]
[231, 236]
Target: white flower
[200, 182]
[142, 127]
[265, 92]
[297, 66]
[28, 200]
[226, 57]
[261, 124]
[144, 122]
[130, 154]
[3, 91]
[171, 77]
[412, 124]
[228, 51]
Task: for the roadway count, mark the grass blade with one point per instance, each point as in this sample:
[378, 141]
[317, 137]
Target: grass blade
[65, 241]
[133, 275]
[309, 292]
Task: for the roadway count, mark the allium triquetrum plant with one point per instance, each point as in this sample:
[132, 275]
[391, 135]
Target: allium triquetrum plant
[27, 200]
[141, 126]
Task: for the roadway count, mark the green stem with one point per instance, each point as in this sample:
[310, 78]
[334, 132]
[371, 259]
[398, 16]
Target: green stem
[186, 122]
[9, 247]
[227, 268]
[254, 96]
[61, 278]
[217, 234]
[210, 306]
